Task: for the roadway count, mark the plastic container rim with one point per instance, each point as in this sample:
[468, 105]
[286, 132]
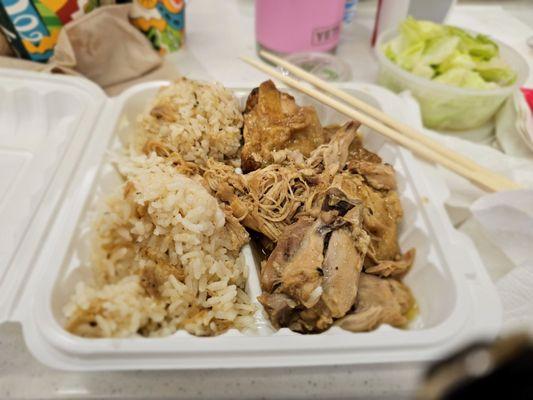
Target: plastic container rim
[522, 72]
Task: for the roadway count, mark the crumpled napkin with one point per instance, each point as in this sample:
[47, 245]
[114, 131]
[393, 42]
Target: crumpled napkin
[514, 127]
[507, 220]
[499, 224]
[104, 47]
[515, 289]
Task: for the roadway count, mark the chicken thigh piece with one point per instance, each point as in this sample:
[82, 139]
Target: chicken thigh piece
[274, 122]
[379, 301]
[315, 266]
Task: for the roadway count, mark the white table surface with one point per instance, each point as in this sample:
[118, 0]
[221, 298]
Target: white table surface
[217, 33]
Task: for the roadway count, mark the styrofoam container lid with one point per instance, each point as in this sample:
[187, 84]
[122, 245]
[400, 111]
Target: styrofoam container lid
[57, 169]
[45, 122]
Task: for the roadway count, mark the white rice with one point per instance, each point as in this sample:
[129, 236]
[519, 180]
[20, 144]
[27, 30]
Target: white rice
[165, 255]
[161, 220]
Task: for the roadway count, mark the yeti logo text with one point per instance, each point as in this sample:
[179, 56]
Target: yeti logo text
[325, 35]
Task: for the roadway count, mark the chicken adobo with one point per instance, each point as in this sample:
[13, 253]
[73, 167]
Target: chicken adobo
[325, 214]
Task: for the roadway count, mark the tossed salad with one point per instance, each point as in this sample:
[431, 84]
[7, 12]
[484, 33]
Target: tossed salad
[449, 55]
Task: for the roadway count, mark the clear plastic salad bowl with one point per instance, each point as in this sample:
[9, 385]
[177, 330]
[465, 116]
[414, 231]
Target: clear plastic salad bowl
[446, 107]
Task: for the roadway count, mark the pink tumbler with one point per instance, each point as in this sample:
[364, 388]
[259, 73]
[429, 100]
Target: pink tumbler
[291, 26]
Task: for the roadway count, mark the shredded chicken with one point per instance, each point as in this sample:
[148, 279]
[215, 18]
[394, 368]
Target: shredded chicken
[379, 176]
[393, 268]
[269, 199]
[324, 210]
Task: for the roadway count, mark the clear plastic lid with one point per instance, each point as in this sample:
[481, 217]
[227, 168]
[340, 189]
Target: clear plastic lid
[324, 65]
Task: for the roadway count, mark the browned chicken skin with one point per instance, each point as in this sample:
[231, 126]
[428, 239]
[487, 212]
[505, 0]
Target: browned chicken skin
[273, 122]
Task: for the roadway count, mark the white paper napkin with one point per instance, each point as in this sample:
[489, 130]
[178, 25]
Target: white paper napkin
[507, 220]
[514, 127]
[516, 291]
[500, 224]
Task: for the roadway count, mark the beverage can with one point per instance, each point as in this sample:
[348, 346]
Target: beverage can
[32, 26]
[162, 21]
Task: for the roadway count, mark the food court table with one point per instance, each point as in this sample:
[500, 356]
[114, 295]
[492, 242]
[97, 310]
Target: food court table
[217, 33]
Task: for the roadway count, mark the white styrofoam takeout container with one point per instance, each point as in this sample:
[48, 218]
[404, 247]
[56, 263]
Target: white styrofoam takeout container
[55, 133]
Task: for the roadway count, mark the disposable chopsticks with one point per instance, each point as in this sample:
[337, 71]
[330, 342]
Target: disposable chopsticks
[380, 122]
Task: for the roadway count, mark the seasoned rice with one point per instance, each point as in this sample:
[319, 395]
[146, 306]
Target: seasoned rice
[166, 256]
[195, 119]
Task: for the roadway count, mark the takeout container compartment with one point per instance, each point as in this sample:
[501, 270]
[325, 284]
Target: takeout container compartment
[456, 299]
[446, 107]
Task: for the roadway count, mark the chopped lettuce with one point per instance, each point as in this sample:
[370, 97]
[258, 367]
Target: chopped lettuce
[424, 71]
[410, 56]
[456, 60]
[476, 46]
[438, 49]
[496, 71]
[448, 55]
[466, 78]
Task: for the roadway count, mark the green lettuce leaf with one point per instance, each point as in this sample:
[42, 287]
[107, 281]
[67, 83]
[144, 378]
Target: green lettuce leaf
[410, 56]
[465, 78]
[456, 60]
[439, 49]
[496, 71]
[424, 71]
[477, 46]
[448, 55]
